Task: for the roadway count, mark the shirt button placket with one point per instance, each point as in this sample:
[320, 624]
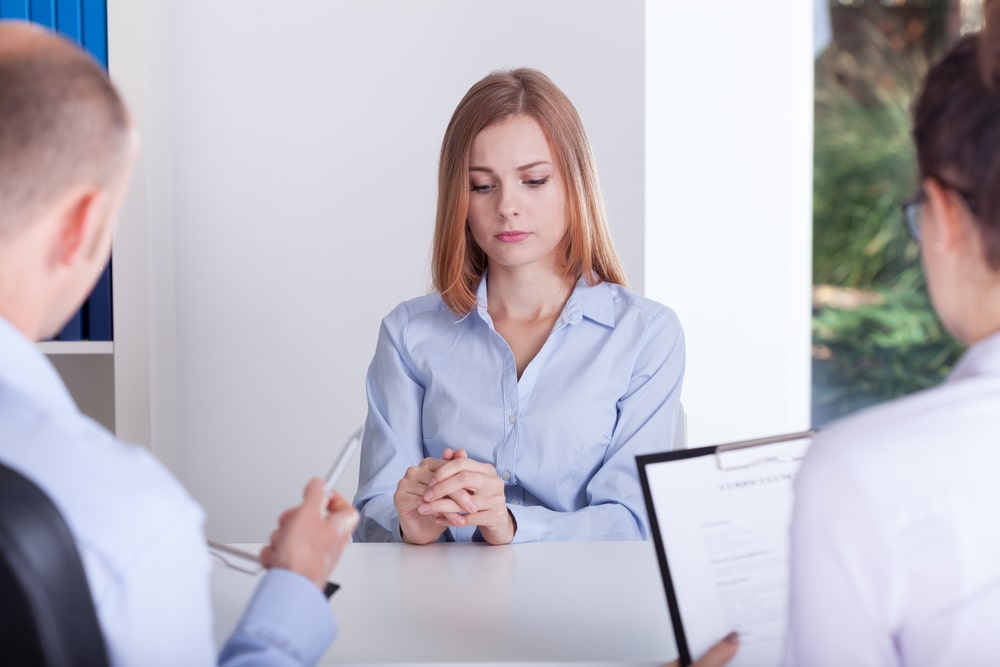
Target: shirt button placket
[512, 420]
[505, 460]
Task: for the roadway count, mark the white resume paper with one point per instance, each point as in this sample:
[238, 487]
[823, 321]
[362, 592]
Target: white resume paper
[720, 518]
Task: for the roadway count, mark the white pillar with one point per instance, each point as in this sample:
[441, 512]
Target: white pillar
[729, 95]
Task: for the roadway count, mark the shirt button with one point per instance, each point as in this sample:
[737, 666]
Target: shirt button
[512, 419]
[515, 502]
[505, 476]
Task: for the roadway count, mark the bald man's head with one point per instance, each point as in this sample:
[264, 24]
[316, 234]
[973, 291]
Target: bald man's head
[62, 123]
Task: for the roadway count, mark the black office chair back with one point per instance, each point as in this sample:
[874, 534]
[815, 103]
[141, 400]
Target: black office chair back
[47, 615]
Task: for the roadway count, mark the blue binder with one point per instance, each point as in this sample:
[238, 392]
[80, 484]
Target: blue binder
[73, 329]
[99, 324]
[14, 9]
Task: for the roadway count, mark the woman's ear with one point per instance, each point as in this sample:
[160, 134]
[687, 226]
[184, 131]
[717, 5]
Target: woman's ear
[942, 226]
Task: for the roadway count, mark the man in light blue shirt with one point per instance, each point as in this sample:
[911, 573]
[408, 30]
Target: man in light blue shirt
[66, 152]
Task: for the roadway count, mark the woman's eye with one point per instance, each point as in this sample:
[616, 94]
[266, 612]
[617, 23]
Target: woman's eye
[535, 182]
[481, 188]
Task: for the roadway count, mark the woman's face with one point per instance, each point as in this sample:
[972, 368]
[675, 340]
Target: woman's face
[517, 203]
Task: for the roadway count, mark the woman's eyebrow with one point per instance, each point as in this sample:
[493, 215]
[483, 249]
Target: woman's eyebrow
[523, 167]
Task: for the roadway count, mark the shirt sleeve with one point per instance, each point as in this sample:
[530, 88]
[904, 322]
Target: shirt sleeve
[647, 422]
[391, 442]
[288, 622]
[159, 612]
[839, 609]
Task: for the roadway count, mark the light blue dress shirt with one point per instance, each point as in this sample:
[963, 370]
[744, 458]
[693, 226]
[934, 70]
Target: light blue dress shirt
[140, 535]
[604, 388]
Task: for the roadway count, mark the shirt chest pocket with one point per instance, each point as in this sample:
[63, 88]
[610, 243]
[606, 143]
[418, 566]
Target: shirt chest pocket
[571, 433]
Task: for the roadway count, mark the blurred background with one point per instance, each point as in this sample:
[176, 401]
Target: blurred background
[875, 336]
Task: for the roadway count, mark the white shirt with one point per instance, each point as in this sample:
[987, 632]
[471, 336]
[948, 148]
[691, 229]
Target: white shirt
[140, 535]
[896, 529]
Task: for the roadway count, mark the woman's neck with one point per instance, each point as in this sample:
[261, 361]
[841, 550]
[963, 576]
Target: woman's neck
[527, 293]
[983, 318]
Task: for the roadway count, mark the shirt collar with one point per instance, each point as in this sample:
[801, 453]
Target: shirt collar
[24, 368]
[595, 302]
[983, 358]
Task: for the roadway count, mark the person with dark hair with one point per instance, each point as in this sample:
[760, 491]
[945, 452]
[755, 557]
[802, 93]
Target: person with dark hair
[509, 405]
[895, 548]
[67, 148]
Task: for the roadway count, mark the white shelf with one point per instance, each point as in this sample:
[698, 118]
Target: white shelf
[77, 347]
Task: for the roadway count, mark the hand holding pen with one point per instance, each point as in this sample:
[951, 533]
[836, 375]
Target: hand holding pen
[310, 538]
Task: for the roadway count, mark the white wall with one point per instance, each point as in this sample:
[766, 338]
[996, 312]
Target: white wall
[729, 95]
[295, 154]
[139, 58]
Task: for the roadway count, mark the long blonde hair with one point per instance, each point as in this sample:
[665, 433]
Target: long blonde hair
[458, 263]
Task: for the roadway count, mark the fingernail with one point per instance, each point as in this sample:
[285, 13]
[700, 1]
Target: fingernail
[732, 638]
[471, 508]
[424, 509]
[428, 495]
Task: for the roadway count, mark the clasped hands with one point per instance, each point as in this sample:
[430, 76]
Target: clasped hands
[452, 491]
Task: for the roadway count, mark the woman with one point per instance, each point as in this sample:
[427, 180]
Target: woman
[895, 545]
[509, 405]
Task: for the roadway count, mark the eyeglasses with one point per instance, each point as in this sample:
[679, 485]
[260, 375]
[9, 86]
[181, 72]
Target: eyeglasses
[235, 558]
[912, 209]
[914, 206]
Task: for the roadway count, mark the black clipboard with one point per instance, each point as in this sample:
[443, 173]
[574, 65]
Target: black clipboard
[732, 463]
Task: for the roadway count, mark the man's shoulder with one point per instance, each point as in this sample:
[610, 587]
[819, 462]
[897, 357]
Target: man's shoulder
[114, 496]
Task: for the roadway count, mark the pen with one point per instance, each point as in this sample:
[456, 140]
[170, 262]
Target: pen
[225, 552]
[340, 464]
[332, 477]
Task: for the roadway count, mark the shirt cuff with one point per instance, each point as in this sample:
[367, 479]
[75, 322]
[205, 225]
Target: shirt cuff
[289, 613]
[527, 530]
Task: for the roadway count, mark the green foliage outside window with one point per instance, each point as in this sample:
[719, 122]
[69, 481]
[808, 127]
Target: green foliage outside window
[872, 353]
[875, 335]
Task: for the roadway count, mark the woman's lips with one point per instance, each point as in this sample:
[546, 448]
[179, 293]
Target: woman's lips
[511, 237]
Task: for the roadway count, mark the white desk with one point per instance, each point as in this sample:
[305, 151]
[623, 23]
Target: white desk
[589, 603]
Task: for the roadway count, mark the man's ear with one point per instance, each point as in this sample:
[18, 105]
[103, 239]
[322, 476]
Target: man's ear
[80, 220]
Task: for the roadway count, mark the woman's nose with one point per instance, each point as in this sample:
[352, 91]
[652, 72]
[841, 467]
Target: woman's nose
[507, 205]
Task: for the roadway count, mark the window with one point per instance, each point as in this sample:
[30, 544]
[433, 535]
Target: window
[875, 335]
